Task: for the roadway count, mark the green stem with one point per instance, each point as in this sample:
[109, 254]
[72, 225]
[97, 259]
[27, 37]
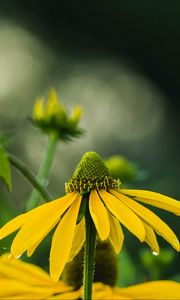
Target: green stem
[23, 169]
[89, 255]
[43, 171]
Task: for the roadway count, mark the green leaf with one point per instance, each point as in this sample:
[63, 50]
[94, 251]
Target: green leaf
[5, 171]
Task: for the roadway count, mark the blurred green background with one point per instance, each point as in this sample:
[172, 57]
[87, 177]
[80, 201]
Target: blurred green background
[119, 60]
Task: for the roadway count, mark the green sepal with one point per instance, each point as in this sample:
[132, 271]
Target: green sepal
[83, 207]
[5, 171]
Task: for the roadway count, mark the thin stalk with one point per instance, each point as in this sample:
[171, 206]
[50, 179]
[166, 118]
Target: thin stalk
[89, 255]
[30, 177]
[43, 171]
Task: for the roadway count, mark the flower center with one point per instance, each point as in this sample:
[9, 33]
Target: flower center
[91, 173]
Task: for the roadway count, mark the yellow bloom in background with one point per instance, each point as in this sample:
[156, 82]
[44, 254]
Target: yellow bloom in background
[91, 187]
[21, 280]
[52, 117]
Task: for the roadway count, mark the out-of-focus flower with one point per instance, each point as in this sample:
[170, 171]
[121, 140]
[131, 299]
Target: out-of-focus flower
[121, 168]
[52, 117]
[91, 187]
[21, 280]
[162, 289]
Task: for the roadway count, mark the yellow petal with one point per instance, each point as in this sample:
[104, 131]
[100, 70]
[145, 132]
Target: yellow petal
[78, 240]
[76, 115]
[121, 296]
[99, 215]
[125, 215]
[28, 273]
[10, 289]
[116, 236]
[62, 240]
[151, 239]
[38, 112]
[163, 289]
[13, 225]
[43, 220]
[101, 291]
[152, 220]
[52, 105]
[31, 249]
[74, 295]
[19, 221]
[155, 199]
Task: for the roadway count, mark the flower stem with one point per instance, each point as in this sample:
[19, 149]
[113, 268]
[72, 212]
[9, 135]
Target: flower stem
[89, 255]
[27, 173]
[43, 171]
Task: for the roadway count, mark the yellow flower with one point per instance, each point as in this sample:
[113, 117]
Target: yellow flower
[163, 289]
[52, 117]
[91, 187]
[21, 280]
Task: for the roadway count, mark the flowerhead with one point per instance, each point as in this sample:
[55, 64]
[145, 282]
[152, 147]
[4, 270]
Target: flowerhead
[21, 280]
[91, 188]
[52, 117]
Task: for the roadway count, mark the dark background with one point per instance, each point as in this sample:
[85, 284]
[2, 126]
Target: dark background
[146, 32]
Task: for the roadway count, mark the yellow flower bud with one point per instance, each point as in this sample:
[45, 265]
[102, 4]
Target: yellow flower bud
[52, 117]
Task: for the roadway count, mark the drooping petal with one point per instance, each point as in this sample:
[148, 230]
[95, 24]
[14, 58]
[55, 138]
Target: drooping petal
[125, 215]
[116, 236]
[32, 248]
[120, 296]
[41, 223]
[78, 240]
[73, 295]
[14, 225]
[62, 240]
[18, 279]
[152, 220]
[16, 269]
[163, 289]
[99, 215]
[14, 289]
[155, 199]
[101, 291]
[151, 239]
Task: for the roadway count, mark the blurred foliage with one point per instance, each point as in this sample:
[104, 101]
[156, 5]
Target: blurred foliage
[121, 168]
[5, 171]
[6, 138]
[156, 266]
[127, 272]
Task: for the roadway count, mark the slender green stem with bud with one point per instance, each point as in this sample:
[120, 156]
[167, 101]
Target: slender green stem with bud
[89, 256]
[35, 197]
[27, 173]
